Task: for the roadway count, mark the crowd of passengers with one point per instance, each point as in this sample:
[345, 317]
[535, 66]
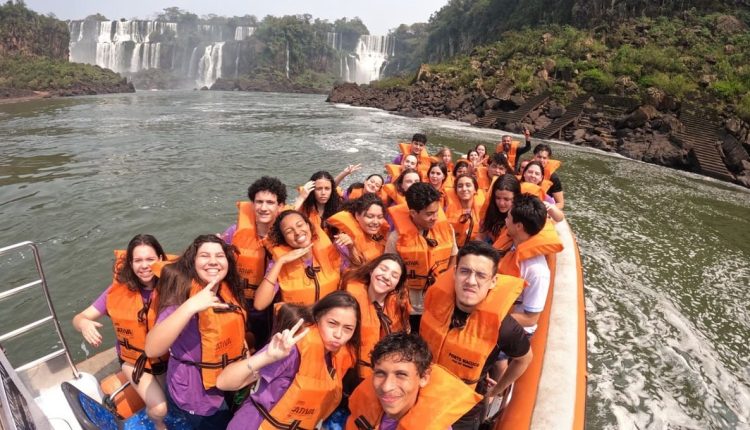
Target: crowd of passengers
[403, 302]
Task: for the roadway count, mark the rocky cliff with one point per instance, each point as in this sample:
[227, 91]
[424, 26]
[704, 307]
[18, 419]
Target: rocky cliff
[34, 59]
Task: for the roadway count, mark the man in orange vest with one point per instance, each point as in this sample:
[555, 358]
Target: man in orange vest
[406, 391]
[418, 143]
[466, 325]
[256, 217]
[525, 220]
[511, 150]
[542, 154]
[424, 239]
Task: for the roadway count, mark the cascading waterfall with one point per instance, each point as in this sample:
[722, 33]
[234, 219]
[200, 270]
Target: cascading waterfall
[129, 47]
[372, 54]
[287, 59]
[209, 66]
[243, 32]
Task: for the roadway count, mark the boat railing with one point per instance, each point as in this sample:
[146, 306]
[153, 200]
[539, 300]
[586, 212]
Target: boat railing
[43, 370]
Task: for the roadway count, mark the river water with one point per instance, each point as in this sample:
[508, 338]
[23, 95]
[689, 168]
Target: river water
[666, 254]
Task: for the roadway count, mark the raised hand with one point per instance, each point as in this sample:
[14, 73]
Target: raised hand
[90, 332]
[352, 168]
[306, 189]
[206, 298]
[281, 344]
[343, 239]
[294, 254]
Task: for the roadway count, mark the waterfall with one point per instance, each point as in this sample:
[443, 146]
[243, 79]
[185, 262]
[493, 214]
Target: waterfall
[287, 59]
[121, 46]
[372, 54]
[243, 32]
[209, 66]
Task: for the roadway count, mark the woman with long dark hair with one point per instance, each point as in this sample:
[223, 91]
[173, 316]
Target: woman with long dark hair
[464, 208]
[363, 222]
[201, 323]
[300, 372]
[130, 302]
[383, 300]
[321, 197]
[499, 203]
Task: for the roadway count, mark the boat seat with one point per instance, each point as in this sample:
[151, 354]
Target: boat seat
[92, 415]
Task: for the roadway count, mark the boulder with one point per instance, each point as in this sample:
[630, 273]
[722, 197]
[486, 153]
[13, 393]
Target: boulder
[733, 126]
[555, 110]
[734, 154]
[549, 65]
[542, 122]
[492, 104]
[579, 134]
[517, 99]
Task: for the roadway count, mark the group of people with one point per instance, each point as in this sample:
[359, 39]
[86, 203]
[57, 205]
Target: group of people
[402, 302]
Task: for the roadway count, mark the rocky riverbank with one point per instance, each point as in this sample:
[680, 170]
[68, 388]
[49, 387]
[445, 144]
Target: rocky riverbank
[648, 130]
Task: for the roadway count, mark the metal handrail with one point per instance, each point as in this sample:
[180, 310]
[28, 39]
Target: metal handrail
[53, 315]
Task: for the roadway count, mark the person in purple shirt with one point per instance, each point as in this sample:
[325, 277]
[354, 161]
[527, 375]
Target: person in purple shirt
[208, 263]
[334, 323]
[135, 275]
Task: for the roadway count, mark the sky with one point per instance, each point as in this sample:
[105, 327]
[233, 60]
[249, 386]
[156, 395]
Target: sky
[379, 16]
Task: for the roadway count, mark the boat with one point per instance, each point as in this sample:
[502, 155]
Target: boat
[53, 392]
[551, 393]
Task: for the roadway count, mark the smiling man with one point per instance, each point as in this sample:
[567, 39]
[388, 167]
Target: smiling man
[465, 324]
[255, 217]
[406, 391]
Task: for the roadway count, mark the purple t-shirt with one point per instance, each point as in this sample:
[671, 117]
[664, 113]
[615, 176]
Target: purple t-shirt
[183, 380]
[274, 380]
[100, 304]
[228, 234]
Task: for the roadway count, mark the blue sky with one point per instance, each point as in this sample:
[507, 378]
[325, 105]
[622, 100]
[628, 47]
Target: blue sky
[379, 16]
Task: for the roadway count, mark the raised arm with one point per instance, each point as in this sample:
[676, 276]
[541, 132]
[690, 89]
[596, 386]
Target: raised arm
[164, 333]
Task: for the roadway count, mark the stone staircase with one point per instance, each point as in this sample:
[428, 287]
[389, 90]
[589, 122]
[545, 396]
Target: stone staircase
[493, 119]
[572, 113]
[703, 141]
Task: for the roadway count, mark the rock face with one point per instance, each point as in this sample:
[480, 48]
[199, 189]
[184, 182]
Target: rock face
[263, 85]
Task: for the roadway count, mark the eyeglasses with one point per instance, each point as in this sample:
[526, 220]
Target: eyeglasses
[465, 272]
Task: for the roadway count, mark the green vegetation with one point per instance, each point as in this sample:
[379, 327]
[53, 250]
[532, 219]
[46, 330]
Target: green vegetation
[689, 57]
[45, 74]
[25, 32]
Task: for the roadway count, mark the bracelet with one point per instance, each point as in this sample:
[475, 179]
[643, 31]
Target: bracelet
[253, 372]
[265, 278]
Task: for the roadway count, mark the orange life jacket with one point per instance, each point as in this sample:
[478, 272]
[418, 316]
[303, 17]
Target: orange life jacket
[503, 241]
[424, 158]
[439, 404]
[483, 178]
[366, 246]
[551, 167]
[543, 243]
[314, 392]
[356, 193]
[132, 319]
[222, 335]
[374, 326]
[455, 212]
[393, 170]
[306, 285]
[253, 258]
[463, 351]
[423, 262]
[393, 195]
[534, 190]
[511, 154]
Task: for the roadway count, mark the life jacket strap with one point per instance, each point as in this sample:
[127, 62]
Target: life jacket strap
[225, 361]
[294, 425]
[362, 423]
